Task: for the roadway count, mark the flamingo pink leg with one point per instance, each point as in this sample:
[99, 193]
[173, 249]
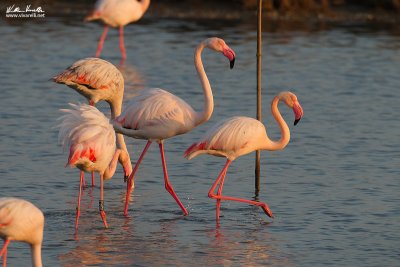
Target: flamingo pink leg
[84, 181]
[101, 41]
[121, 42]
[101, 202]
[168, 185]
[92, 178]
[210, 193]
[78, 207]
[132, 177]
[4, 251]
[221, 178]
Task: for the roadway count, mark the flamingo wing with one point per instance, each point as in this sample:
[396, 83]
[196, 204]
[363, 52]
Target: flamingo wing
[229, 138]
[157, 114]
[88, 133]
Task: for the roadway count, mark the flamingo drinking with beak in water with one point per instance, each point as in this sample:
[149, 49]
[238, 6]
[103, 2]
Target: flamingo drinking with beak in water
[117, 13]
[20, 220]
[97, 79]
[156, 115]
[91, 141]
[237, 136]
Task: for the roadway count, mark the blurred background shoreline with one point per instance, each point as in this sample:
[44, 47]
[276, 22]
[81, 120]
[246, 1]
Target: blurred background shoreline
[309, 11]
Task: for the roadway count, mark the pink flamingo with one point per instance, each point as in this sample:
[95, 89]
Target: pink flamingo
[156, 115]
[117, 13]
[91, 141]
[97, 79]
[237, 136]
[20, 220]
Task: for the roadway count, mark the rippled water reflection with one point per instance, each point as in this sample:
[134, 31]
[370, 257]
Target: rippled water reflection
[333, 190]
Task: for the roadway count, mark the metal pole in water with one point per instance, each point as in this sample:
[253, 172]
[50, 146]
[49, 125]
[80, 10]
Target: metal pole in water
[259, 48]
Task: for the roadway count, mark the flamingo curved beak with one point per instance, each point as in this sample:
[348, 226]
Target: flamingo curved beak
[230, 54]
[298, 112]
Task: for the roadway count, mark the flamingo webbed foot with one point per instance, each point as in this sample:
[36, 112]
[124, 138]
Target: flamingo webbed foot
[267, 211]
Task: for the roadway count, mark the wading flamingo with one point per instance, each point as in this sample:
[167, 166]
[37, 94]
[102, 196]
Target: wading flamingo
[117, 13]
[156, 115]
[91, 141]
[20, 220]
[237, 136]
[97, 79]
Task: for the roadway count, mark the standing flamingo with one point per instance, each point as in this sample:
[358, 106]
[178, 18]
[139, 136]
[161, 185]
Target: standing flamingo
[155, 114]
[117, 13]
[237, 136]
[97, 79]
[20, 220]
[91, 141]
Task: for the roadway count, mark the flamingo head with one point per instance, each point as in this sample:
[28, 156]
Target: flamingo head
[219, 45]
[291, 101]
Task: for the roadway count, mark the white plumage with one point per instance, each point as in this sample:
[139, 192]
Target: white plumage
[237, 136]
[91, 141]
[22, 221]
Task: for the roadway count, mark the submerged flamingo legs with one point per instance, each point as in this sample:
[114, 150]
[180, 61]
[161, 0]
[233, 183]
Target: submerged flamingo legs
[219, 195]
[101, 41]
[78, 206]
[4, 251]
[101, 202]
[168, 185]
[132, 177]
[121, 42]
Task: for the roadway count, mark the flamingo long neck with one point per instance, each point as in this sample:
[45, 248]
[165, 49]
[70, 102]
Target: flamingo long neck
[116, 109]
[110, 170]
[36, 251]
[208, 96]
[285, 132]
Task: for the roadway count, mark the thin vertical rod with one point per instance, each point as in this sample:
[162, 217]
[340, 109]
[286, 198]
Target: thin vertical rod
[259, 48]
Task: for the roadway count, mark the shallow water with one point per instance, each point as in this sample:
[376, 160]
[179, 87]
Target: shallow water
[334, 190]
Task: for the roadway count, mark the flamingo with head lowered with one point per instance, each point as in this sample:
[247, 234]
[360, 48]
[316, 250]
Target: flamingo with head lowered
[237, 136]
[91, 141]
[97, 80]
[156, 114]
[117, 13]
[22, 221]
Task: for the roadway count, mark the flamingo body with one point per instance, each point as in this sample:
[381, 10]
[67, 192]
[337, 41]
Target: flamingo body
[91, 140]
[117, 13]
[156, 115]
[95, 79]
[90, 136]
[237, 136]
[230, 138]
[22, 221]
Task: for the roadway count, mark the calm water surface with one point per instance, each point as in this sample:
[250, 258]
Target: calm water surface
[334, 190]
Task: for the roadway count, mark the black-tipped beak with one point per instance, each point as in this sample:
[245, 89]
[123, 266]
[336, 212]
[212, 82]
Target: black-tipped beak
[296, 121]
[126, 178]
[232, 63]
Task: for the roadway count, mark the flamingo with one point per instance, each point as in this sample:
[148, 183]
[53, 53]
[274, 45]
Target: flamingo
[91, 141]
[20, 220]
[237, 136]
[97, 79]
[156, 114]
[117, 13]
